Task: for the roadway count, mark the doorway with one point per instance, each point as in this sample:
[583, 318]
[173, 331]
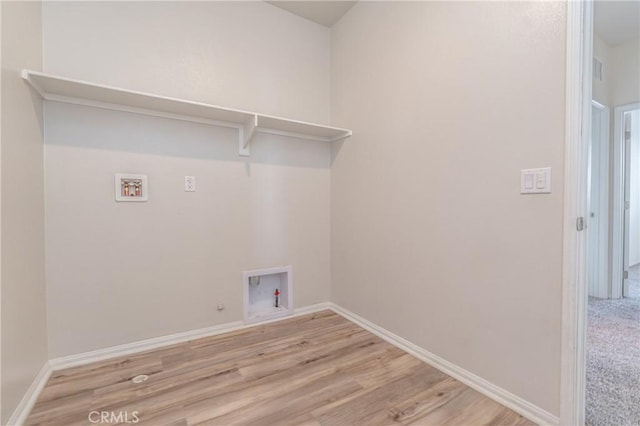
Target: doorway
[598, 221]
[625, 276]
[618, 26]
[613, 319]
[631, 226]
[613, 309]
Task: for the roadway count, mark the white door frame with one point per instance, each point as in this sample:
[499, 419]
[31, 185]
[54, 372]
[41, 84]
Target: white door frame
[574, 263]
[603, 288]
[618, 211]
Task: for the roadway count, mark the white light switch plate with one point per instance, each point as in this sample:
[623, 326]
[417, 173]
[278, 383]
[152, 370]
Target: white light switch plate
[535, 181]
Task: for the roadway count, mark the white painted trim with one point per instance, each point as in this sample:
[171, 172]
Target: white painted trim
[310, 309]
[140, 346]
[604, 277]
[498, 394]
[617, 241]
[574, 260]
[27, 402]
[159, 342]
[1, 216]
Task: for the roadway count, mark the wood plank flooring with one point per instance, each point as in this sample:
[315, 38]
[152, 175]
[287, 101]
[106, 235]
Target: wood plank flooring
[317, 369]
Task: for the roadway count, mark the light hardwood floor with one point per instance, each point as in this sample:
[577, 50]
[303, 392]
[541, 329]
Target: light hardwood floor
[313, 369]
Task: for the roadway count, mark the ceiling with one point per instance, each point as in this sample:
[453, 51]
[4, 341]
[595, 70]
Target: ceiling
[617, 21]
[324, 13]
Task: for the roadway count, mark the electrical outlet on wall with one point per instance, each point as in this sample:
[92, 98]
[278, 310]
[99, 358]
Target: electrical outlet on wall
[190, 183]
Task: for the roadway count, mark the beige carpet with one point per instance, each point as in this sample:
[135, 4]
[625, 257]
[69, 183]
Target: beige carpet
[634, 281]
[613, 362]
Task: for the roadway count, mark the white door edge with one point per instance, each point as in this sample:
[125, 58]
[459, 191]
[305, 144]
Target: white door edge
[574, 265]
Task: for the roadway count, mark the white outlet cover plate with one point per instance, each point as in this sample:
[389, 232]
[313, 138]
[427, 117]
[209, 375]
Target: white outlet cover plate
[119, 177]
[190, 183]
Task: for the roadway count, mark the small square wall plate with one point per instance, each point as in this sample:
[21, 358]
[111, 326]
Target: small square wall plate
[131, 188]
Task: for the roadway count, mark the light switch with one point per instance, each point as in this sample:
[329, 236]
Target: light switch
[528, 181]
[535, 181]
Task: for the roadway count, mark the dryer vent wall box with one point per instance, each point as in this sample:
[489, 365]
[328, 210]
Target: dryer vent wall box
[129, 187]
[268, 294]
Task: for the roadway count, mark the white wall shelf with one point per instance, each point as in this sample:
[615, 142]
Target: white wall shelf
[60, 89]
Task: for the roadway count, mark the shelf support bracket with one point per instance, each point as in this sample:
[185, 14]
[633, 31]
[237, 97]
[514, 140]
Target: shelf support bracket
[342, 137]
[246, 134]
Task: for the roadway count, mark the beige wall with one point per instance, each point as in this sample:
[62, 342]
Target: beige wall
[246, 55]
[24, 341]
[621, 81]
[122, 272]
[626, 80]
[602, 88]
[430, 236]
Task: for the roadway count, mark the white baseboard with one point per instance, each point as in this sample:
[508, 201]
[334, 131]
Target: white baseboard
[311, 309]
[158, 342]
[506, 398]
[27, 402]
